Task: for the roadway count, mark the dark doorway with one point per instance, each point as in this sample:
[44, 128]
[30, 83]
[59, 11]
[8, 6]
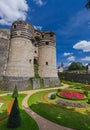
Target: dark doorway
[35, 61]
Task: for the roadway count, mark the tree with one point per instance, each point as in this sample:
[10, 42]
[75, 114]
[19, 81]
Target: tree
[88, 4]
[14, 119]
[76, 66]
[15, 92]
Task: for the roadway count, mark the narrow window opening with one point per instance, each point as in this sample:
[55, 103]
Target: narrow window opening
[35, 51]
[30, 60]
[35, 45]
[47, 43]
[51, 35]
[42, 36]
[46, 63]
[15, 26]
[35, 62]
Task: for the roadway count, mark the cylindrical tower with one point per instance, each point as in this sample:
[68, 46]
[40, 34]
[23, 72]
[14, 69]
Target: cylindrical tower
[20, 61]
[47, 55]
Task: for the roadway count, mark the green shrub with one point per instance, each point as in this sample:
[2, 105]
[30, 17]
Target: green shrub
[58, 90]
[88, 101]
[86, 93]
[53, 96]
[15, 92]
[14, 119]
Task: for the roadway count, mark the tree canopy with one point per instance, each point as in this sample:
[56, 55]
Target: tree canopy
[76, 66]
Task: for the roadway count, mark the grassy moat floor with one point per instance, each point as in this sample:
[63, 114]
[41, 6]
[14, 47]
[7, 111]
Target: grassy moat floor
[72, 117]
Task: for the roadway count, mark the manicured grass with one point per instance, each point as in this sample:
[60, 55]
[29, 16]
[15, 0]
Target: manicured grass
[2, 92]
[59, 114]
[3, 109]
[27, 122]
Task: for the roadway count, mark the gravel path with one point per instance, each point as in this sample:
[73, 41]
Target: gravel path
[43, 123]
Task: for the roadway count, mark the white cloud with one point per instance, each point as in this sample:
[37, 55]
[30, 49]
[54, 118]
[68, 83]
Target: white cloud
[83, 45]
[11, 10]
[67, 54]
[87, 58]
[38, 27]
[71, 58]
[39, 2]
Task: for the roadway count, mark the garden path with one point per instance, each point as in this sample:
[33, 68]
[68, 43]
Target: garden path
[43, 123]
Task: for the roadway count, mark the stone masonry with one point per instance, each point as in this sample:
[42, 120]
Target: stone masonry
[21, 48]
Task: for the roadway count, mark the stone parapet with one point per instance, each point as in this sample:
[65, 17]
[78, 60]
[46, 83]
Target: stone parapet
[22, 29]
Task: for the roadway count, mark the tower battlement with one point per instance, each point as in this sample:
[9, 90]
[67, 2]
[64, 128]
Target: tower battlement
[22, 29]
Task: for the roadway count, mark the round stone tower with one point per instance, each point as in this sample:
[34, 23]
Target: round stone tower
[47, 55]
[20, 61]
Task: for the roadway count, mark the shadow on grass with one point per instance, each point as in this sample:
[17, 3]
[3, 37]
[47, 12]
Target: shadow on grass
[27, 123]
[3, 115]
[62, 116]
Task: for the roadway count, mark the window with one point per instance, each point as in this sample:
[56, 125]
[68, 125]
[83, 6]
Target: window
[30, 60]
[51, 35]
[35, 45]
[15, 26]
[35, 51]
[47, 43]
[35, 61]
[42, 36]
[46, 63]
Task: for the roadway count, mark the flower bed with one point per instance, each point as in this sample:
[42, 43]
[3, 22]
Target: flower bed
[72, 95]
[86, 87]
[72, 104]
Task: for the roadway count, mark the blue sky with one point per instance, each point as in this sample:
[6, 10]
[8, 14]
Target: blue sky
[69, 19]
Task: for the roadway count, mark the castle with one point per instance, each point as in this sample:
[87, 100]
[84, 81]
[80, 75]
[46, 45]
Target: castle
[21, 49]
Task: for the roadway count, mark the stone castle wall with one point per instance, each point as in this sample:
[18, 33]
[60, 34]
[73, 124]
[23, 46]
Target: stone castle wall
[4, 47]
[82, 78]
[21, 48]
[20, 63]
[47, 55]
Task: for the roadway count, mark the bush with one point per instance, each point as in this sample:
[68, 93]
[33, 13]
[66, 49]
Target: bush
[14, 119]
[58, 90]
[15, 93]
[88, 101]
[53, 96]
[86, 93]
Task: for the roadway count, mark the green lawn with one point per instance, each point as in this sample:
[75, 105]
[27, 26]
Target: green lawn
[3, 109]
[59, 114]
[27, 122]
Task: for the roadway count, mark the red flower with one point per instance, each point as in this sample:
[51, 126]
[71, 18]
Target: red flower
[72, 95]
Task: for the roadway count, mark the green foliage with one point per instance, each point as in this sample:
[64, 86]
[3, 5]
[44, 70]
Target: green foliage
[76, 66]
[58, 114]
[58, 90]
[86, 93]
[86, 82]
[36, 71]
[88, 4]
[15, 92]
[88, 101]
[28, 123]
[53, 96]
[14, 119]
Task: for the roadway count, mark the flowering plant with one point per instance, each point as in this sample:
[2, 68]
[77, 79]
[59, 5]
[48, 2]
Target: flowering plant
[72, 95]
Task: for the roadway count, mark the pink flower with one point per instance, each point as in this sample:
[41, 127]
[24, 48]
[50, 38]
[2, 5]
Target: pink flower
[72, 95]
